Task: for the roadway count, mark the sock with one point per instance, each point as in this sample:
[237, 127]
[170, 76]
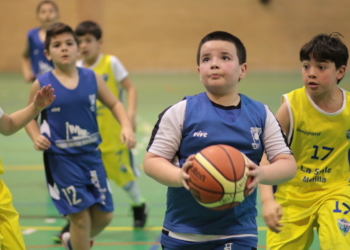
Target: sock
[134, 192]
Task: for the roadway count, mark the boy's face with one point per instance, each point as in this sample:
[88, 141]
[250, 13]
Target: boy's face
[63, 49]
[89, 47]
[47, 15]
[219, 68]
[320, 77]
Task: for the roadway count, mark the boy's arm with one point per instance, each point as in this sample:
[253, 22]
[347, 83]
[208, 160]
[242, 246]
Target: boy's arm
[271, 210]
[132, 100]
[163, 171]
[118, 110]
[283, 166]
[25, 65]
[10, 124]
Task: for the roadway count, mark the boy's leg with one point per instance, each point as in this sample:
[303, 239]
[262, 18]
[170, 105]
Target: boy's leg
[99, 220]
[10, 230]
[296, 235]
[120, 168]
[80, 229]
[334, 225]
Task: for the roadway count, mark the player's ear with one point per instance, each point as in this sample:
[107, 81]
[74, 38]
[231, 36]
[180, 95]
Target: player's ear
[243, 71]
[199, 72]
[47, 54]
[341, 72]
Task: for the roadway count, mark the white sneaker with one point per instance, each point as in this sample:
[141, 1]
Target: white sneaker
[66, 241]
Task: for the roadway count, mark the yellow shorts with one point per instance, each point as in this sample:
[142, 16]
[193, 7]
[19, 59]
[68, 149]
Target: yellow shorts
[332, 221]
[120, 166]
[10, 230]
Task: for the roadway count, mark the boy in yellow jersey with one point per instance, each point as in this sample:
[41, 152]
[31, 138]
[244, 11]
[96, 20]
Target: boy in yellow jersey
[10, 230]
[316, 121]
[117, 159]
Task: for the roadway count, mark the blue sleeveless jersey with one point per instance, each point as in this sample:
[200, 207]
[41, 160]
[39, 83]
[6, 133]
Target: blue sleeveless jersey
[184, 214]
[70, 121]
[39, 62]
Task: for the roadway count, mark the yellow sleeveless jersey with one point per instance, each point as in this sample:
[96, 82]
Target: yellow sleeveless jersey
[108, 126]
[320, 143]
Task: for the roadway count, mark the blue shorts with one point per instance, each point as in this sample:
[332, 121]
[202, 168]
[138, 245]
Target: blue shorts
[76, 182]
[169, 243]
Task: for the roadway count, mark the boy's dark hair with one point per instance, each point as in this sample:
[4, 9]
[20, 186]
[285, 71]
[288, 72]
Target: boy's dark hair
[45, 2]
[57, 29]
[224, 36]
[89, 27]
[324, 47]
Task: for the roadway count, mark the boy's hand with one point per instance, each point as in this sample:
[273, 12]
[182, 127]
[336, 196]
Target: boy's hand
[44, 97]
[272, 213]
[41, 143]
[128, 137]
[254, 172]
[184, 176]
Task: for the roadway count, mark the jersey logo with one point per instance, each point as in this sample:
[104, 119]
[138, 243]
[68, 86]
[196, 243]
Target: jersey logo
[76, 137]
[56, 109]
[44, 67]
[228, 246]
[105, 77]
[92, 99]
[344, 226]
[255, 135]
[348, 135]
[308, 132]
[200, 134]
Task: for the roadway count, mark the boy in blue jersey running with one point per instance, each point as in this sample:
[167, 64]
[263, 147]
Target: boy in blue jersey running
[227, 117]
[316, 121]
[33, 60]
[69, 136]
[10, 230]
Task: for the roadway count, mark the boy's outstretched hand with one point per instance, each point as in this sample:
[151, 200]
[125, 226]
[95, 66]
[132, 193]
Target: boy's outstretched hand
[44, 97]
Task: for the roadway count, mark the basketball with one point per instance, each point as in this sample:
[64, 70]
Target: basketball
[218, 177]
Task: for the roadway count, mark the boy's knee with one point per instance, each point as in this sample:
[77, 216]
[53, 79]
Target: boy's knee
[106, 219]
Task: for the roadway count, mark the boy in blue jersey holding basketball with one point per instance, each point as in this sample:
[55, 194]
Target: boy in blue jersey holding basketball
[226, 117]
[69, 136]
[316, 121]
[34, 61]
[10, 230]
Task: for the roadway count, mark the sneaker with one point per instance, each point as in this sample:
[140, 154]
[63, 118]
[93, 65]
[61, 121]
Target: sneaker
[57, 238]
[66, 241]
[140, 215]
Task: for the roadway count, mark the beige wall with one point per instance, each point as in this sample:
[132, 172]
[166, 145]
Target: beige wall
[162, 35]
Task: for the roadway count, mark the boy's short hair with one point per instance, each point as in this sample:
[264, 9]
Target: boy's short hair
[224, 36]
[57, 29]
[89, 27]
[55, 6]
[324, 47]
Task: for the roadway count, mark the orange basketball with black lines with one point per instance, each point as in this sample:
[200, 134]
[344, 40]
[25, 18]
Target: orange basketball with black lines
[218, 178]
